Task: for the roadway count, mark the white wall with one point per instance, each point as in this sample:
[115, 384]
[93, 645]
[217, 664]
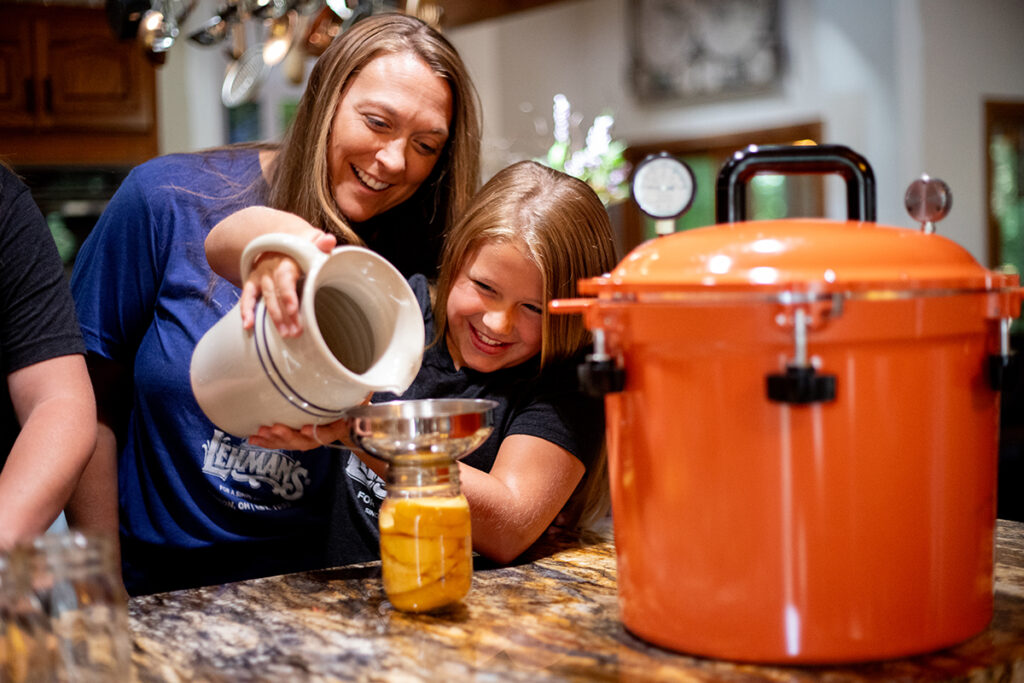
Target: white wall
[188, 90]
[581, 49]
[901, 81]
[972, 51]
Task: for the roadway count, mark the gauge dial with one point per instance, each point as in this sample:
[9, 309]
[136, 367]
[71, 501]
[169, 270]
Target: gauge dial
[663, 186]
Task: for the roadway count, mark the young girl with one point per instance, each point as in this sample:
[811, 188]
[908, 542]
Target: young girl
[528, 237]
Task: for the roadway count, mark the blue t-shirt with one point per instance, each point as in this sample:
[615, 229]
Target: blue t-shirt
[197, 506]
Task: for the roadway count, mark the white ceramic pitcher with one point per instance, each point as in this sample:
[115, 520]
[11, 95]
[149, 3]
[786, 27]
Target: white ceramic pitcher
[362, 332]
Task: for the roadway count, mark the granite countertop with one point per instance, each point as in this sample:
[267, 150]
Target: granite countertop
[552, 617]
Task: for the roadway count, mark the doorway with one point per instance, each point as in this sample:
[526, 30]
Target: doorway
[1004, 192]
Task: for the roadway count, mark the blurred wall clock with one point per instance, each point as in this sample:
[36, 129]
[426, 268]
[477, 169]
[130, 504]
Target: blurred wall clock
[704, 48]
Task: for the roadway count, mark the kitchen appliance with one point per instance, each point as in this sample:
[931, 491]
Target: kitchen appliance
[802, 422]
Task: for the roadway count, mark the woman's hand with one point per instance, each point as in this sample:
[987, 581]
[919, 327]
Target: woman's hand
[275, 278]
[282, 437]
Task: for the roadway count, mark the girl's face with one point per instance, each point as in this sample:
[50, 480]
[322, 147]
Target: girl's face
[389, 129]
[495, 309]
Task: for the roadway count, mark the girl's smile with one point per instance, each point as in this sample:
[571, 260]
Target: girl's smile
[496, 309]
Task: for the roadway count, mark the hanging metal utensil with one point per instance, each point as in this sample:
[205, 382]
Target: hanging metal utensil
[211, 32]
[295, 65]
[215, 29]
[295, 61]
[326, 25]
[280, 34]
[244, 78]
[157, 31]
[238, 40]
[270, 9]
[159, 26]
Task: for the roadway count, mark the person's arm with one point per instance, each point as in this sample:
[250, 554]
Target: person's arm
[54, 402]
[275, 276]
[93, 505]
[510, 506]
[513, 504]
[227, 240]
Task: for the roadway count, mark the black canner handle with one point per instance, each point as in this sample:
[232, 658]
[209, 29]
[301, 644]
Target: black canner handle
[730, 190]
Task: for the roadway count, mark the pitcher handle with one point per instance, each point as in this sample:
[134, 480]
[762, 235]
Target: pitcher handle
[303, 251]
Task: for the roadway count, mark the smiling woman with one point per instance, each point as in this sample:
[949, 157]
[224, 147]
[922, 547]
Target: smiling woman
[383, 151]
[388, 133]
[385, 144]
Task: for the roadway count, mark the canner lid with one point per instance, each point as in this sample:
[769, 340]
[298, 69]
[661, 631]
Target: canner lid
[807, 255]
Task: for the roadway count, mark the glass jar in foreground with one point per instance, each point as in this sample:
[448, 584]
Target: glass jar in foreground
[26, 643]
[77, 580]
[426, 545]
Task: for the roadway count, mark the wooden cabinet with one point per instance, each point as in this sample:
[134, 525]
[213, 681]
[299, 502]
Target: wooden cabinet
[15, 71]
[66, 81]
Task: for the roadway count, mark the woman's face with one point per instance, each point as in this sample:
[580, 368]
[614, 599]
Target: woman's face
[495, 309]
[389, 129]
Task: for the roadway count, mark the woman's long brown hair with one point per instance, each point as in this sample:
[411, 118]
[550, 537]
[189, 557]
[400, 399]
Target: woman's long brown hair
[564, 228]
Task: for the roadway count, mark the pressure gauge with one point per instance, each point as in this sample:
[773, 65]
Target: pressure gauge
[663, 188]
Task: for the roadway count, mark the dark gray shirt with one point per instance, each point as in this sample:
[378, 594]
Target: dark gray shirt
[37, 314]
[547, 405]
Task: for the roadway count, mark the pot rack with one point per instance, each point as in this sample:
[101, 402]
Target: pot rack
[286, 32]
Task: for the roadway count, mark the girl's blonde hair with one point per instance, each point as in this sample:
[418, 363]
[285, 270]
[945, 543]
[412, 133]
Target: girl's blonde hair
[303, 150]
[562, 225]
[566, 232]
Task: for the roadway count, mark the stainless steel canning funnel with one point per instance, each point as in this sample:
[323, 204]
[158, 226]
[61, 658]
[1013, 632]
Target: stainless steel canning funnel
[436, 426]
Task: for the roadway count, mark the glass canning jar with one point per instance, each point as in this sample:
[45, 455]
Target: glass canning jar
[426, 544]
[26, 643]
[76, 578]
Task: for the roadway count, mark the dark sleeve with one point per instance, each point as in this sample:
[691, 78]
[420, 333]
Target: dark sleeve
[560, 412]
[38, 315]
[420, 287]
[352, 533]
[406, 238]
